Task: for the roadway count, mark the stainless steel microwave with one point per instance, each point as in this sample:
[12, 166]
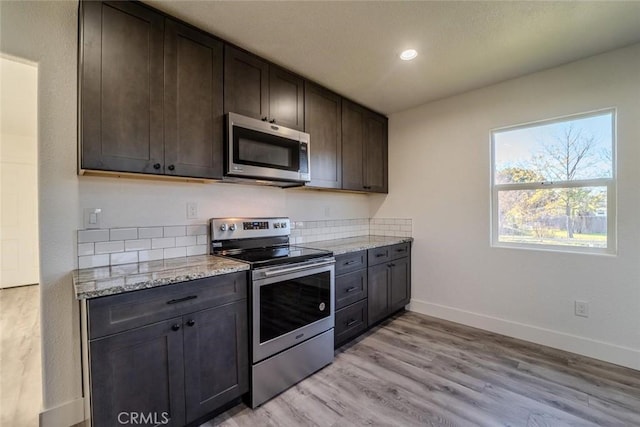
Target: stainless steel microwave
[265, 153]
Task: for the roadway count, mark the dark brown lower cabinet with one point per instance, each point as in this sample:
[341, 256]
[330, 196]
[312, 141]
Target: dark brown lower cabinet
[389, 288]
[174, 371]
[365, 296]
[215, 372]
[379, 281]
[350, 322]
[139, 372]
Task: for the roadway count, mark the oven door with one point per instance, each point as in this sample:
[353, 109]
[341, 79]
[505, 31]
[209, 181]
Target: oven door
[291, 303]
[257, 149]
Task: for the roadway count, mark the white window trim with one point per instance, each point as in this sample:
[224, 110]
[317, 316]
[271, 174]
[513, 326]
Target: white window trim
[610, 183]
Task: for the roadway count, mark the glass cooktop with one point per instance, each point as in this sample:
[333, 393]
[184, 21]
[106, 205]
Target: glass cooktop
[261, 257]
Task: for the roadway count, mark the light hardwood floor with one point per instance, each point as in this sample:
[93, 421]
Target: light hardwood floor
[414, 370]
[20, 377]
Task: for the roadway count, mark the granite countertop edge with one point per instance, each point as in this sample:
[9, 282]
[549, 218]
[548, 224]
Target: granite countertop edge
[103, 281]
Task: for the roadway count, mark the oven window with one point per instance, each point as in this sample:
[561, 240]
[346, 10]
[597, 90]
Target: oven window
[260, 149]
[288, 305]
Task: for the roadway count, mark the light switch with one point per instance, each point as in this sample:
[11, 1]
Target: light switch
[92, 218]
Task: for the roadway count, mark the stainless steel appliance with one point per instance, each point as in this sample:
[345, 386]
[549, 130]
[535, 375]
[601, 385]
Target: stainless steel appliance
[265, 152]
[292, 294]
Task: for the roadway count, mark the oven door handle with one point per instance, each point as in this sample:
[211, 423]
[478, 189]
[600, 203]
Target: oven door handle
[276, 272]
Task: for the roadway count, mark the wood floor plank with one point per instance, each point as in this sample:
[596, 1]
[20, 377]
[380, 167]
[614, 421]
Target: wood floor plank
[414, 370]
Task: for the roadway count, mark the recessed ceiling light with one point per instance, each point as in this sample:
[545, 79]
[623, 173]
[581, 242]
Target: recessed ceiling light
[408, 54]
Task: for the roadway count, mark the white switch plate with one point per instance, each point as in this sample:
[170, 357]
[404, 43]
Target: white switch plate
[92, 218]
[192, 210]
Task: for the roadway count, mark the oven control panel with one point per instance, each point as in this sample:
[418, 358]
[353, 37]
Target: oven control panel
[246, 228]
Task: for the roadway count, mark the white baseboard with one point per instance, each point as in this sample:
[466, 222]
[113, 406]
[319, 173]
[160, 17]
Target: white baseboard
[607, 352]
[65, 415]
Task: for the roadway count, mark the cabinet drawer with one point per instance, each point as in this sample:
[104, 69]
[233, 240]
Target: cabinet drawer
[350, 288]
[117, 313]
[350, 321]
[379, 255]
[399, 251]
[351, 262]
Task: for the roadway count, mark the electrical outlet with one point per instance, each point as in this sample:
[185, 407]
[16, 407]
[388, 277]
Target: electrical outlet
[192, 210]
[92, 218]
[582, 308]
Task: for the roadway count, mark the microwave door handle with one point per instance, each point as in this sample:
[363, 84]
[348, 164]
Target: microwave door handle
[278, 271]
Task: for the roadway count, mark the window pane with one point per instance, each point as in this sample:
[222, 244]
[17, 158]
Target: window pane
[568, 150]
[558, 216]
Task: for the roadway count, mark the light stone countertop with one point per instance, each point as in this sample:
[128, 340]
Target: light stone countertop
[355, 244]
[116, 279]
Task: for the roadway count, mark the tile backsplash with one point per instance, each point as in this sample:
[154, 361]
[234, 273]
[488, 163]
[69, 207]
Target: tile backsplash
[104, 247]
[312, 231]
[98, 248]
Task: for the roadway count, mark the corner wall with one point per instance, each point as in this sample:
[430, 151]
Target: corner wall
[439, 172]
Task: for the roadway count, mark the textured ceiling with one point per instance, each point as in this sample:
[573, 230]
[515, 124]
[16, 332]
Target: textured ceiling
[352, 47]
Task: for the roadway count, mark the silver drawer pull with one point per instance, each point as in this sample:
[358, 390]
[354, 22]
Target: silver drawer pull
[350, 262]
[175, 301]
[351, 289]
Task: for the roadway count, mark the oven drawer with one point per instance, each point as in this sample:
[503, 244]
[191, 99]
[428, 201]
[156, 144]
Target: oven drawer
[351, 262]
[117, 313]
[350, 321]
[350, 288]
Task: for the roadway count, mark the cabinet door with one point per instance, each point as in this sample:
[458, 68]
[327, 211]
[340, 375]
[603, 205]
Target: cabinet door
[139, 372]
[216, 357]
[246, 84]
[286, 98]
[379, 281]
[322, 120]
[400, 288]
[121, 87]
[193, 102]
[375, 153]
[352, 146]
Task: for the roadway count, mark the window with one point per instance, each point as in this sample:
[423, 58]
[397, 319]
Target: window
[553, 184]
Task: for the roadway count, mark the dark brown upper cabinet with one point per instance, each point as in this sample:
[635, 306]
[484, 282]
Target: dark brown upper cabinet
[364, 149]
[264, 91]
[151, 93]
[121, 86]
[193, 103]
[322, 120]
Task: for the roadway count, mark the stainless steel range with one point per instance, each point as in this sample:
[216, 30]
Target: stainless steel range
[292, 294]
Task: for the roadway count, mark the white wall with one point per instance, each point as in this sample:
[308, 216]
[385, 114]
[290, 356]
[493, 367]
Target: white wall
[439, 176]
[18, 173]
[134, 202]
[46, 33]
